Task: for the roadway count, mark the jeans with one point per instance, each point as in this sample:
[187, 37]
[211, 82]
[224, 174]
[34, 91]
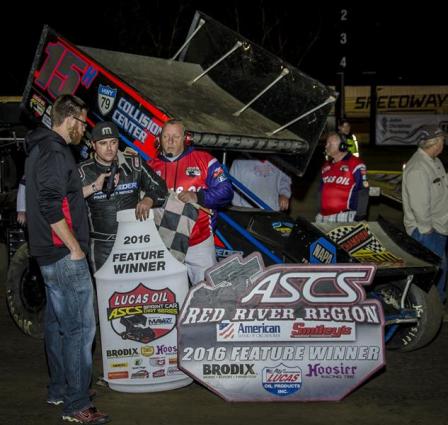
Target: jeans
[435, 242]
[69, 331]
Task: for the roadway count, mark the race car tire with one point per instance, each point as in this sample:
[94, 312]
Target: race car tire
[25, 293]
[410, 337]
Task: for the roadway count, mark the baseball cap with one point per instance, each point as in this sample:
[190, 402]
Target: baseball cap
[429, 132]
[105, 130]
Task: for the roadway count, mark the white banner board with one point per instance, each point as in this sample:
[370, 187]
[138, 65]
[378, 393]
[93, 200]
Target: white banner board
[141, 288]
[405, 129]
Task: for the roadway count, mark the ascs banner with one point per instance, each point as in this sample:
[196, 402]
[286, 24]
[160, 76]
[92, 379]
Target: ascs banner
[285, 333]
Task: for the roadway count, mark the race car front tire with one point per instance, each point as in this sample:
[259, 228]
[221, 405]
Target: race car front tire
[428, 308]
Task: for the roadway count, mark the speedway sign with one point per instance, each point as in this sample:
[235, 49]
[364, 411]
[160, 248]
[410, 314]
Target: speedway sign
[284, 333]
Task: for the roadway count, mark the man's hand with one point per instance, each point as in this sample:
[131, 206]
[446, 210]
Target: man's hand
[187, 197]
[77, 254]
[283, 202]
[142, 208]
[99, 182]
[21, 218]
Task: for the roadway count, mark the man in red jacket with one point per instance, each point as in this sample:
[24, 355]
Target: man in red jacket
[198, 178]
[344, 192]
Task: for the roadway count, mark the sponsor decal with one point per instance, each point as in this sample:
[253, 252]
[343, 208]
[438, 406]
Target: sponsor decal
[142, 314]
[323, 331]
[157, 361]
[232, 370]
[166, 349]
[38, 105]
[160, 321]
[362, 244]
[339, 371]
[224, 253]
[135, 120]
[172, 360]
[173, 370]
[46, 120]
[158, 373]
[118, 375]
[240, 331]
[141, 374]
[122, 352]
[282, 380]
[193, 171]
[147, 351]
[135, 159]
[344, 168]
[344, 181]
[121, 365]
[283, 227]
[322, 251]
[219, 174]
[106, 98]
[120, 190]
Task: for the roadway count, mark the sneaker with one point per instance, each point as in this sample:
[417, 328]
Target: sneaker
[58, 402]
[87, 416]
[55, 402]
[101, 382]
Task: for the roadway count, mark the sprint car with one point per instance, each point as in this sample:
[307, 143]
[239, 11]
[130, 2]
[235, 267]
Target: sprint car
[233, 96]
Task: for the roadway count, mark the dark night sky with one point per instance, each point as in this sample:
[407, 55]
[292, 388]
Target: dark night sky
[402, 45]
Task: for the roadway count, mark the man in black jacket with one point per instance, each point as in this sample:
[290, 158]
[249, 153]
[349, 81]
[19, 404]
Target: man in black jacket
[132, 177]
[58, 237]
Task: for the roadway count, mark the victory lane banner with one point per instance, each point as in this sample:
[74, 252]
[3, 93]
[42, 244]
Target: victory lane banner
[140, 290]
[283, 333]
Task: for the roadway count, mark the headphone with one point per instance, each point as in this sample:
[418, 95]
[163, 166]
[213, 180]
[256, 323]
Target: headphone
[188, 137]
[343, 146]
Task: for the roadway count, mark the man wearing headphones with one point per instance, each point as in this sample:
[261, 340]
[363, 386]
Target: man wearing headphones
[198, 178]
[344, 190]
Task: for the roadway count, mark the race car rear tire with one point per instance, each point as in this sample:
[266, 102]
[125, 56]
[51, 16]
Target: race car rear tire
[25, 293]
[410, 337]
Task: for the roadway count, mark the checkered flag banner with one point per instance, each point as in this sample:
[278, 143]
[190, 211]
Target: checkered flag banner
[363, 245]
[356, 238]
[175, 220]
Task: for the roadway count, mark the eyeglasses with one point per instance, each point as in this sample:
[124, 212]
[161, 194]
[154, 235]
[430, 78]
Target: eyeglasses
[84, 123]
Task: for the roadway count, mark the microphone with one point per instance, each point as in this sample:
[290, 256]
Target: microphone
[169, 155]
[110, 185]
